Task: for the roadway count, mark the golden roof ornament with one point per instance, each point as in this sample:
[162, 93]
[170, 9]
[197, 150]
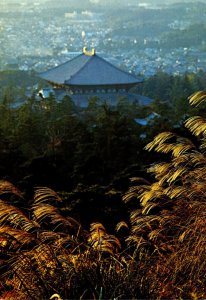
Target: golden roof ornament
[89, 53]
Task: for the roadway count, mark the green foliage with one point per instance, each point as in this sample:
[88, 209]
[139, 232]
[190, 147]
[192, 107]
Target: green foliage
[171, 88]
[61, 131]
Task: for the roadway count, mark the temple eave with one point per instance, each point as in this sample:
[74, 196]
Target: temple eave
[92, 86]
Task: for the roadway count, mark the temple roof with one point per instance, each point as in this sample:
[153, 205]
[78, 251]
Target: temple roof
[88, 70]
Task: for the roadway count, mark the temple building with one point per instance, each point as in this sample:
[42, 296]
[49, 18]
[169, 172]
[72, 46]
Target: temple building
[89, 75]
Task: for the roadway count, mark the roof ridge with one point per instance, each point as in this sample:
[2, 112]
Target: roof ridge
[61, 64]
[73, 75]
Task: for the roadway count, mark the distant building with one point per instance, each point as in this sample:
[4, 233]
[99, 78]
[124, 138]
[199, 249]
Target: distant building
[89, 75]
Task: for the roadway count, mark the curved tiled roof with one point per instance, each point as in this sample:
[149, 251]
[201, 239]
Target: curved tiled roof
[85, 70]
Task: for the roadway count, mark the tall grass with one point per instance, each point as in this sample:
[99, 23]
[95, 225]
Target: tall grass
[168, 230]
[44, 253]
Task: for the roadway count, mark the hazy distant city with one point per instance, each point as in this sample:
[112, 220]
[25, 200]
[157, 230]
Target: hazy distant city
[141, 36]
